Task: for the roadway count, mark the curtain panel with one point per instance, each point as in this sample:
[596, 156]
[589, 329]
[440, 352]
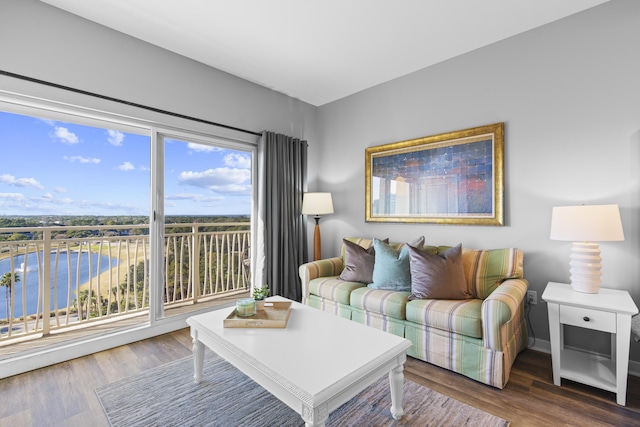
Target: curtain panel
[281, 241]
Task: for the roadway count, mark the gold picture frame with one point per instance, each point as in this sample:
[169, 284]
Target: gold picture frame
[450, 178]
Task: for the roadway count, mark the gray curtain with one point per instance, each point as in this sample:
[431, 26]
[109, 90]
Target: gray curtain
[281, 230]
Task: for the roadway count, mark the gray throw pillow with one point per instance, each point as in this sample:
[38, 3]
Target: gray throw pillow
[438, 276]
[358, 262]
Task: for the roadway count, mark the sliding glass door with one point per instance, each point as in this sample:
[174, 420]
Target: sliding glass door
[103, 220]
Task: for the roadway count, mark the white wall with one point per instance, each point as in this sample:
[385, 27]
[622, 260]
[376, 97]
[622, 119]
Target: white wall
[569, 94]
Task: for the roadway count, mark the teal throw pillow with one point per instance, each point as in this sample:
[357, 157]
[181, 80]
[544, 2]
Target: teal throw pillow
[391, 270]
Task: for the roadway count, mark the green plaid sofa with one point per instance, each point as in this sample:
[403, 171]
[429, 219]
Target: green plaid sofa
[478, 337]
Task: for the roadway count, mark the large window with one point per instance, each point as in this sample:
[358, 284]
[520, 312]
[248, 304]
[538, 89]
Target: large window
[81, 205]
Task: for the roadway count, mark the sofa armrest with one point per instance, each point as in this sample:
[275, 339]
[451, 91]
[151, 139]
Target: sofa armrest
[503, 316]
[313, 270]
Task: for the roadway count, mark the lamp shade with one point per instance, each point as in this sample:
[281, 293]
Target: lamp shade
[317, 204]
[586, 223]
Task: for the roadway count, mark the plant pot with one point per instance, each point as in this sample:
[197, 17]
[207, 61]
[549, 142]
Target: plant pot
[260, 304]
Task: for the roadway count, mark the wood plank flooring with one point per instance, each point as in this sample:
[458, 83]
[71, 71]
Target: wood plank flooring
[63, 394]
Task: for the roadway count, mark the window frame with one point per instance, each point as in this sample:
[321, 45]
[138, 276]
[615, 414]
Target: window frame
[158, 127]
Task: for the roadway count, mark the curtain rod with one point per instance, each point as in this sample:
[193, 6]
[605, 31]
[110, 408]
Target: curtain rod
[121, 101]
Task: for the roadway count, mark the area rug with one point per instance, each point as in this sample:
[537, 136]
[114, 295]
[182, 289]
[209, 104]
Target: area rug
[167, 396]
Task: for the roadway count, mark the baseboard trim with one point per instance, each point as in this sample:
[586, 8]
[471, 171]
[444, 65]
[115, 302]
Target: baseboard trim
[545, 347]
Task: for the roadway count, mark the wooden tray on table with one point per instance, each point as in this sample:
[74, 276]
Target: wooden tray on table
[274, 315]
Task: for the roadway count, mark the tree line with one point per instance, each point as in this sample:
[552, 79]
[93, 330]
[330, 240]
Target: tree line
[93, 220]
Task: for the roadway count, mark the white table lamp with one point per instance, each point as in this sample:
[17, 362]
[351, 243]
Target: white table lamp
[317, 204]
[584, 226]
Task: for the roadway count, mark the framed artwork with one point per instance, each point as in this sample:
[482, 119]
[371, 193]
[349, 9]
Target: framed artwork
[451, 178]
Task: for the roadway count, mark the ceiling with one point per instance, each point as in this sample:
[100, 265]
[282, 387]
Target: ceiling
[319, 51]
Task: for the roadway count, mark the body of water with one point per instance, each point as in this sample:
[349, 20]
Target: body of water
[30, 279]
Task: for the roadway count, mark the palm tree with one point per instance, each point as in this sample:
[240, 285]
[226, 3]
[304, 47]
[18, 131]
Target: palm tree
[7, 283]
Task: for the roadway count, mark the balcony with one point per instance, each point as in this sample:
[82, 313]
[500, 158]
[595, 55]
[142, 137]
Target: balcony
[60, 280]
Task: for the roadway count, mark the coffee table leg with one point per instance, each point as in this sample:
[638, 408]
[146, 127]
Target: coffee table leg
[396, 380]
[315, 417]
[198, 360]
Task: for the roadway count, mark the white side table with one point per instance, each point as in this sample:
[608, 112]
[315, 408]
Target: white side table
[610, 311]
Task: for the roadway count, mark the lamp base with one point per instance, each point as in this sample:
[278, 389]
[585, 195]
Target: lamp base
[585, 267]
[317, 245]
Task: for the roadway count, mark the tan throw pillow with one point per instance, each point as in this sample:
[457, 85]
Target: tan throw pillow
[358, 262]
[438, 276]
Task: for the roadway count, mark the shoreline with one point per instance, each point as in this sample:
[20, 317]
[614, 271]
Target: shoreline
[103, 282]
[121, 270]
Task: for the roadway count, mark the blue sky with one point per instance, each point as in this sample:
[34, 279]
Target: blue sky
[55, 168]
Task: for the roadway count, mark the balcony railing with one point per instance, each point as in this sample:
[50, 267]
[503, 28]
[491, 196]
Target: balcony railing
[69, 276]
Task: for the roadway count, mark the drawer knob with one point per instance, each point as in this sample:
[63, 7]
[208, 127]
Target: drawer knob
[586, 318]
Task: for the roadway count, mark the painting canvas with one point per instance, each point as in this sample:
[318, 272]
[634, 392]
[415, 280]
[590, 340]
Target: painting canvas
[454, 178]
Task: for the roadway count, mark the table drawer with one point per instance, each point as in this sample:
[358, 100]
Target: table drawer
[588, 318]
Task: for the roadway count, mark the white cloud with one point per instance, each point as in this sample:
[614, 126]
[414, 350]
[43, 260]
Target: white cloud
[48, 196]
[222, 180]
[64, 206]
[12, 196]
[202, 148]
[184, 196]
[126, 166]
[82, 159]
[237, 160]
[60, 190]
[65, 136]
[115, 137]
[233, 188]
[48, 121]
[20, 182]
[191, 196]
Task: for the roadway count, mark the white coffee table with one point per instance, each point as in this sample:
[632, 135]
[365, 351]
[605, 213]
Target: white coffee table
[314, 365]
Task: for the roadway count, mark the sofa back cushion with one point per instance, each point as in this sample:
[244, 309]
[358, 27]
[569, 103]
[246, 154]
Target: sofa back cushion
[362, 242]
[486, 269]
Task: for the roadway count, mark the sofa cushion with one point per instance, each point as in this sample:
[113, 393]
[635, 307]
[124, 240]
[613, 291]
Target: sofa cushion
[334, 289]
[438, 276]
[389, 303]
[358, 262]
[459, 316]
[391, 270]
[486, 269]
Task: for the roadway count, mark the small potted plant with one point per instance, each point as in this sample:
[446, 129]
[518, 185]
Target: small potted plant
[259, 294]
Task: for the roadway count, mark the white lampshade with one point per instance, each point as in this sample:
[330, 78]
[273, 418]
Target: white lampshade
[317, 204]
[586, 223]
[584, 226]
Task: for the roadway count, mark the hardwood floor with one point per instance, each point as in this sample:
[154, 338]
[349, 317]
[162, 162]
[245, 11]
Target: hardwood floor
[63, 394]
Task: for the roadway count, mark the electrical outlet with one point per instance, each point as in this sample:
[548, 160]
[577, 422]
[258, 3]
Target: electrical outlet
[532, 297]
